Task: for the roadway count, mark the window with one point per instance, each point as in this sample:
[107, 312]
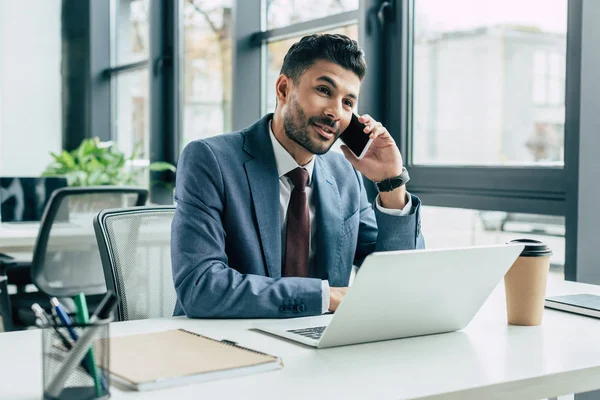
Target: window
[207, 73]
[487, 75]
[282, 13]
[456, 227]
[549, 78]
[130, 81]
[131, 113]
[131, 31]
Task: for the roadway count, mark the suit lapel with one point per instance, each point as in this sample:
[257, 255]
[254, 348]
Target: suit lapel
[328, 220]
[264, 186]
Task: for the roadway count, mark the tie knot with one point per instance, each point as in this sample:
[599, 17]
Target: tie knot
[299, 177]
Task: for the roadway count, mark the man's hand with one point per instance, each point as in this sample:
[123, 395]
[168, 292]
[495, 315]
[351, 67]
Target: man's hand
[382, 161]
[336, 294]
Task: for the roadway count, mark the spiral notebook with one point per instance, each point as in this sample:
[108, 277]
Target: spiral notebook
[179, 357]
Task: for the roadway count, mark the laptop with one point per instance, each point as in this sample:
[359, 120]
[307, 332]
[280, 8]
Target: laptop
[401, 294]
[23, 199]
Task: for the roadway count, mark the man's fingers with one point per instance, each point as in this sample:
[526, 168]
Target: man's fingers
[365, 119]
[373, 125]
[379, 131]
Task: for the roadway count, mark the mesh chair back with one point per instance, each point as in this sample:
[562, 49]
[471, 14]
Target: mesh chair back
[135, 247]
[66, 260]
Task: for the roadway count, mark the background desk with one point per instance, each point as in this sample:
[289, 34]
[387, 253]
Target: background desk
[21, 239]
[488, 360]
[15, 239]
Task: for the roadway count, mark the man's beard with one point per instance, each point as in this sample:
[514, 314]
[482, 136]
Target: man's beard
[296, 126]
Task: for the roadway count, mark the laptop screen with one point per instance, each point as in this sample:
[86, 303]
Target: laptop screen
[24, 199]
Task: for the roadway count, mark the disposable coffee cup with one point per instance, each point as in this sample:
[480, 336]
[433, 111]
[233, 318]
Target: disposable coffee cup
[525, 283]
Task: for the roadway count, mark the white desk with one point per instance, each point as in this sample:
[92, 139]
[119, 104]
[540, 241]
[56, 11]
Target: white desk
[488, 360]
[15, 239]
[21, 239]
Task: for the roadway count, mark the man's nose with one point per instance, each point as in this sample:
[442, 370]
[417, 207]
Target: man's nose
[335, 111]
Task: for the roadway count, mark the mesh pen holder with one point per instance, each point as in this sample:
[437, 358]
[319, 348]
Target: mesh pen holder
[67, 378]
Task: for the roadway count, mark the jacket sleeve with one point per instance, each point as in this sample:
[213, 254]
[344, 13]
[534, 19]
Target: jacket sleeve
[379, 231]
[206, 285]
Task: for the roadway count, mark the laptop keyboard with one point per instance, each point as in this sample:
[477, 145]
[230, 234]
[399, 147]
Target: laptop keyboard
[313, 333]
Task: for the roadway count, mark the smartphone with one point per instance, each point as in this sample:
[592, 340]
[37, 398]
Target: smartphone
[355, 138]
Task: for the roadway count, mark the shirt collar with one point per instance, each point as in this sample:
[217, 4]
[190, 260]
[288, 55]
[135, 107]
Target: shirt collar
[285, 161]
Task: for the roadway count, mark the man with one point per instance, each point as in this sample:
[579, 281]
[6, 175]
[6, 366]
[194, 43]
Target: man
[268, 222]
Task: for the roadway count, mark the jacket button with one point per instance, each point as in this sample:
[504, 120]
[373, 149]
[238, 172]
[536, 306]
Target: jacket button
[283, 308]
[301, 308]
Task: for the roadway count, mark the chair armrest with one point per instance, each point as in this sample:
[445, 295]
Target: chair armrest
[5, 261]
[17, 269]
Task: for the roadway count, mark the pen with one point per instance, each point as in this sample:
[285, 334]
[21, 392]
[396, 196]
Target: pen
[62, 315]
[83, 318]
[41, 315]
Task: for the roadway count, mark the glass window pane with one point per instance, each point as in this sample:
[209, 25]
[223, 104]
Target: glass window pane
[484, 79]
[131, 31]
[539, 90]
[456, 227]
[287, 12]
[555, 65]
[554, 90]
[207, 71]
[131, 112]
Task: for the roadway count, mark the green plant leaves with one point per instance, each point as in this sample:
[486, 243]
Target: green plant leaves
[96, 163]
[160, 166]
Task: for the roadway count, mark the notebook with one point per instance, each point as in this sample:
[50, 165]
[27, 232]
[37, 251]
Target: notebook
[584, 304]
[179, 357]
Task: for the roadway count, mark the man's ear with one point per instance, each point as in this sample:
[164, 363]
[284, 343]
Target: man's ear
[282, 88]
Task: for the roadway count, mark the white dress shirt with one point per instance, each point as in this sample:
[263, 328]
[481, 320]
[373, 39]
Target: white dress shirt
[286, 163]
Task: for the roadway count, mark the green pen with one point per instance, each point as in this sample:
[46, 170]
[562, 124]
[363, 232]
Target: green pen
[83, 317]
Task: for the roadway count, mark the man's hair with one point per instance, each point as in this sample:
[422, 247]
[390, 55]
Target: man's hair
[339, 49]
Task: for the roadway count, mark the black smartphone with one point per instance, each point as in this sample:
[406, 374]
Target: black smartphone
[355, 138]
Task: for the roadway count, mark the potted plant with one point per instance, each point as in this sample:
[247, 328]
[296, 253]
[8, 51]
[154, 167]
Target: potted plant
[96, 163]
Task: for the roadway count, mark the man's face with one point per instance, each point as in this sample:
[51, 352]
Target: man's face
[319, 107]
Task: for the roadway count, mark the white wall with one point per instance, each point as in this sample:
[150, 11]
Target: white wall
[30, 85]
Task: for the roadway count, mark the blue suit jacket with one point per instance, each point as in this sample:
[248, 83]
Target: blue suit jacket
[226, 234]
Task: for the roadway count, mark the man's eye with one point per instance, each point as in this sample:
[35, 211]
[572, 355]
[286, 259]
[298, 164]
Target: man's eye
[323, 90]
[349, 104]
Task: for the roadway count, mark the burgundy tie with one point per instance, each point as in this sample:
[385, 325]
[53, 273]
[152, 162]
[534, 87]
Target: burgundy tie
[298, 227]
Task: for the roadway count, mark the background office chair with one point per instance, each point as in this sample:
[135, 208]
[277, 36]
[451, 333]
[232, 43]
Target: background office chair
[66, 260]
[135, 248]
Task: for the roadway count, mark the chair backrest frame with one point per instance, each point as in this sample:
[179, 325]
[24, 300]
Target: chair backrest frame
[107, 252]
[52, 209]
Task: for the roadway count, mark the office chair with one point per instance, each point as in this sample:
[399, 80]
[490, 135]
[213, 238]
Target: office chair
[135, 248]
[66, 260]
